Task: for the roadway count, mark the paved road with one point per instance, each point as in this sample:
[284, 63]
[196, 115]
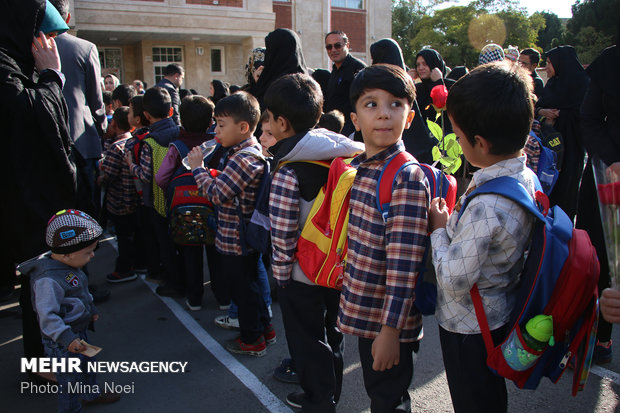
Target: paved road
[136, 325]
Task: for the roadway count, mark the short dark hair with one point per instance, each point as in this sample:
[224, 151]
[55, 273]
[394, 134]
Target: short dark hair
[495, 102]
[124, 93]
[390, 78]
[332, 120]
[62, 6]
[173, 69]
[297, 98]
[157, 102]
[107, 97]
[341, 33]
[137, 105]
[533, 54]
[196, 113]
[121, 118]
[241, 106]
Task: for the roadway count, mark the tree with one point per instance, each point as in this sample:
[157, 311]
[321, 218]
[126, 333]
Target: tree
[593, 27]
[406, 14]
[521, 30]
[552, 33]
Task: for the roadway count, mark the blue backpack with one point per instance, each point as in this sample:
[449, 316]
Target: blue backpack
[559, 279]
[548, 170]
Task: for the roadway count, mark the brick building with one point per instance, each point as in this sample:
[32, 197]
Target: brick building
[212, 38]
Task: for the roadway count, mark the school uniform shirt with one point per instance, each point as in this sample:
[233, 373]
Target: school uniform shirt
[384, 258]
[122, 196]
[238, 182]
[486, 246]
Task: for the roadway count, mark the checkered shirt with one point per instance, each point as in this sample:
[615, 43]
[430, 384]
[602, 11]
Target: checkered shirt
[240, 180]
[122, 197]
[384, 258]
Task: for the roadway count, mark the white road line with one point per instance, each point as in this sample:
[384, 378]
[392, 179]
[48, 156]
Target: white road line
[249, 380]
[606, 374]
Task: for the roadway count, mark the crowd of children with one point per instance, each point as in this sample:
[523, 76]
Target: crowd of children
[491, 112]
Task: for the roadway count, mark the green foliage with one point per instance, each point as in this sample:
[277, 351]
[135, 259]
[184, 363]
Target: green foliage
[593, 27]
[448, 151]
[406, 14]
[552, 33]
[590, 43]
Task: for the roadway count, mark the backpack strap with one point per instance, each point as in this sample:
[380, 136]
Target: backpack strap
[181, 148]
[514, 190]
[481, 316]
[387, 179]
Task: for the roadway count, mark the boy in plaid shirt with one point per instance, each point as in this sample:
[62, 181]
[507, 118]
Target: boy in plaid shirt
[236, 187]
[384, 257]
[122, 198]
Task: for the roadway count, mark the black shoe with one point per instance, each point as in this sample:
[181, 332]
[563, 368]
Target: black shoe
[296, 399]
[165, 291]
[286, 373]
[99, 294]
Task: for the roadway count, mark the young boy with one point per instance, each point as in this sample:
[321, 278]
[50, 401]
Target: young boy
[234, 192]
[294, 104]
[384, 256]
[62, 302]
[491, 111]
[162, 131]
[122, 197]
[196, 117]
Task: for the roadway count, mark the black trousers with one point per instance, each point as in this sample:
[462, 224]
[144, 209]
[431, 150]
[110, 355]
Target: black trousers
[125, 237]
[191, 258]
[389, 389]
[242, 275]
[473, 387]
[167, 252]
[145, 243]
[219, 284]
[315, 343]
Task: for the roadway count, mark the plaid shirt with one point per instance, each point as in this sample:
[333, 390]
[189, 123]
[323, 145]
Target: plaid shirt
[384, 258]
[122, 196]
[240, 181]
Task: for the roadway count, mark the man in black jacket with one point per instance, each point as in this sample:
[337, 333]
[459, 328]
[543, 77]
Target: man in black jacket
[172, 81]
[344, 69]
[529, 59]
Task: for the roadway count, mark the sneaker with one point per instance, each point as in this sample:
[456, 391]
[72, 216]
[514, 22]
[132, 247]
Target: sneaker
[227, 322]
[258, 348]
[270, 335]
[193, 307]
[117, 277]
[286, 373]
[296, 399]
[602, 353]
[165, 291]
[104, 398]
[225, 307]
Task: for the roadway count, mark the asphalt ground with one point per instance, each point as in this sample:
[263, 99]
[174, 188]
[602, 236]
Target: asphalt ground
[136, 325]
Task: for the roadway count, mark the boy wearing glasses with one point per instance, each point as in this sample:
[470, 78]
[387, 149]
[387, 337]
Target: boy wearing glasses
[344, 69]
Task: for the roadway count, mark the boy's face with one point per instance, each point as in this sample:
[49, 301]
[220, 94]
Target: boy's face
[471, 152]
[382, 118]
[79, 259]
[134, 120]
[278, 127]
[267, 140]
[228, 132]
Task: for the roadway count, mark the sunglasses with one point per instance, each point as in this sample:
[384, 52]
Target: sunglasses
[336, 46]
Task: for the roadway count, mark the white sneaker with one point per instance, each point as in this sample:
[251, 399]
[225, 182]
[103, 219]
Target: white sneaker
[270, 312]
[226, 322]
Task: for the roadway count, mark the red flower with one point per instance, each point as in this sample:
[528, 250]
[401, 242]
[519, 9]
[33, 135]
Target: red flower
[439, 95]
[609, 194]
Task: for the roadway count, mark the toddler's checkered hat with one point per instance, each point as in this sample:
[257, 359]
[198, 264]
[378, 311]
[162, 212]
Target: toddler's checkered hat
[491, 53]
[71, 230]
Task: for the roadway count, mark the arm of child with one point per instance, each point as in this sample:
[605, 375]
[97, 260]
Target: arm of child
[610, 305]
[170, 164]
[386, 349]
[438, 214]
[47, 297]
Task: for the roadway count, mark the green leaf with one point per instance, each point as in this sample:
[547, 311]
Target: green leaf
[435, 129]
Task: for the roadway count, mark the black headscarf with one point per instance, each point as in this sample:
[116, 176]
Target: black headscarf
[433, 59]
[457, 73]
[565, 90]
[282, 57]
[36, 171]
[423, 89]
[220, 90]
[604, 71]
[417, 139]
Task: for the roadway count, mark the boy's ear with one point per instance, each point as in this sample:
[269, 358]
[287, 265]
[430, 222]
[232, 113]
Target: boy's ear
[148, 116]
[244, 127]
[354, 120]
[483, 144]
[410, 117]
[283, 124]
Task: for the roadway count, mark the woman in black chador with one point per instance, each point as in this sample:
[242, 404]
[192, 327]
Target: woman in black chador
[559, 105]
[426, 61]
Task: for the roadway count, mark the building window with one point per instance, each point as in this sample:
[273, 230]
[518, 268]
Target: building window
[348, 4]
[217, 60]
[163, 56]
[110, 58]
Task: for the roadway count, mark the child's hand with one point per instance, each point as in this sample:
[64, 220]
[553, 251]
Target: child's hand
[128, 158]
[610, 305]
[76, 346]
[438, 214]
[194, 158]
[95, 317]
[386, 349]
